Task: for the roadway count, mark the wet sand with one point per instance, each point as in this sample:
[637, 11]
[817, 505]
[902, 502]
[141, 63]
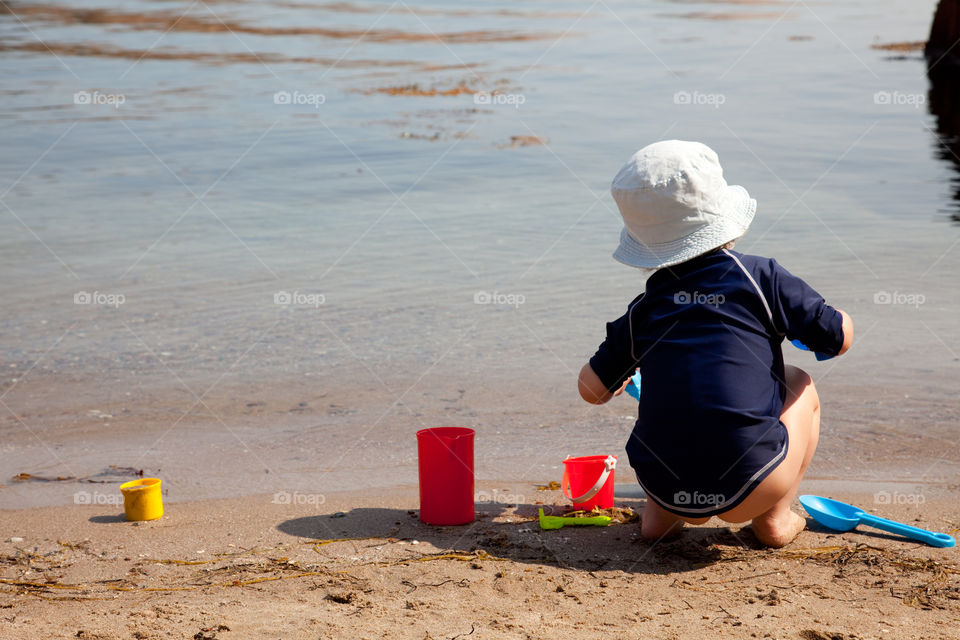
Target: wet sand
[326, 432]
[247, 398]
[366, 567]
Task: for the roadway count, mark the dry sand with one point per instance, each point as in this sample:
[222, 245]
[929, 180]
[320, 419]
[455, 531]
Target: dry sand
[364, 567]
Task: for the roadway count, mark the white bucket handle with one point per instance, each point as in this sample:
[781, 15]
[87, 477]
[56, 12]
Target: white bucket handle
[608, 466]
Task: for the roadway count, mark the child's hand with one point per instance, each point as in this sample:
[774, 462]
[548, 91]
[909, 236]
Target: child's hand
[623, 387]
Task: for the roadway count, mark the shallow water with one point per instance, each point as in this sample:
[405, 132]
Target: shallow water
[151, 157]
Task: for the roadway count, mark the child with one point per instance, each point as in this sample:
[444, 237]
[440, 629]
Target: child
[724, 427]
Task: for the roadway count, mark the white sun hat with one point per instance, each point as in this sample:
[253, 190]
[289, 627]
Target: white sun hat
[676, 205]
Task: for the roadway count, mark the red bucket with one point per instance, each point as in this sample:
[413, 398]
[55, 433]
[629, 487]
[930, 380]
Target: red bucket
[446, 475]
[588, 481]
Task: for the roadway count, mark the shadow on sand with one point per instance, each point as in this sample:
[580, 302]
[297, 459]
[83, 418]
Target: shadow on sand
[107, 519]
[511, 531]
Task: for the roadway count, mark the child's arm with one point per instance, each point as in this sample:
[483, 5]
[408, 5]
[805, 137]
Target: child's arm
[591, 388]
[800, 313]
[612, 365]
[847, 332]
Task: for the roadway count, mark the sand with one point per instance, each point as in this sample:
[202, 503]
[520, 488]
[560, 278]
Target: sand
[359, 566]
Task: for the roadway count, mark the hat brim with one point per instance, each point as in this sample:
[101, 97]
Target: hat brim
[739, 210]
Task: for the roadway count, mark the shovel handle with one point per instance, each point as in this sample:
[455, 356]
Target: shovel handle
[914, 533]
[557, 522]
[633, 387]
[599, 521]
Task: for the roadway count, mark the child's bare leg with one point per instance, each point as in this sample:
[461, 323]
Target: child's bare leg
[768, 505]
[656, 523]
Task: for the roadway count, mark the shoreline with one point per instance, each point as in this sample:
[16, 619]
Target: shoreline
[364, 565]
[325, 435]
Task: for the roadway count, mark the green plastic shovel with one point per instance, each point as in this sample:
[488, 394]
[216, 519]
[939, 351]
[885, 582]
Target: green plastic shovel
[557, 522]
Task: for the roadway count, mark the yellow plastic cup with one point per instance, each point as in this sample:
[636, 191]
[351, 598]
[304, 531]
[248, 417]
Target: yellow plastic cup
[142, 499]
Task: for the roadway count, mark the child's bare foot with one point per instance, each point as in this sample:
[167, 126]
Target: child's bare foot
[780, 530]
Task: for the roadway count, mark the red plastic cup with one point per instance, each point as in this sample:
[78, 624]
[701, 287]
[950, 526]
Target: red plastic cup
[445, 457]
[588, 481]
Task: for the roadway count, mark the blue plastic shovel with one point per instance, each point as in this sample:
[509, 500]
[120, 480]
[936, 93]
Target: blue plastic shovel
[820, 356]
[633, 387]
[841, 516]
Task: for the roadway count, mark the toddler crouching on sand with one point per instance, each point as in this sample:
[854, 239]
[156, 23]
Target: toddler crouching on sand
[724, 427]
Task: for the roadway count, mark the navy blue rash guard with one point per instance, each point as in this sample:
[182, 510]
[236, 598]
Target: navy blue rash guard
[706, 337]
